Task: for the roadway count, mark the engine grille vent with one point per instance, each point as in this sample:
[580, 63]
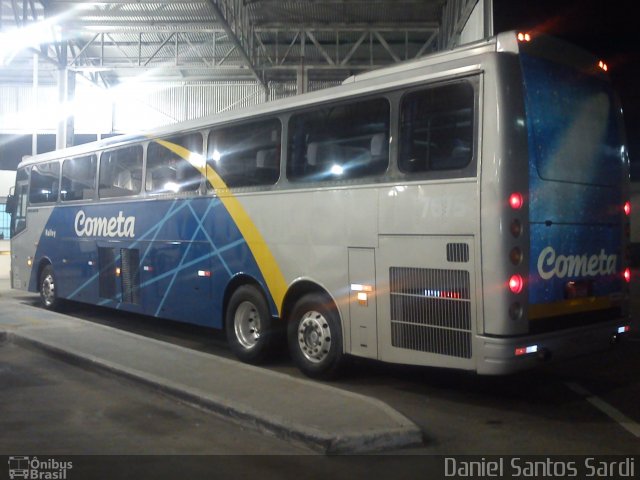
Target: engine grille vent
[431, 310]
[457, 252]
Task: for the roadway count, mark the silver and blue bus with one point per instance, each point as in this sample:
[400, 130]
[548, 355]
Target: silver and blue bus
[465, 210]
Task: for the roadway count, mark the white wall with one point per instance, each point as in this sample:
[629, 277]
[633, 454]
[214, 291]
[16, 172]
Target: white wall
[7, 180]
[5, 259]
[21, 111]
[474, 28]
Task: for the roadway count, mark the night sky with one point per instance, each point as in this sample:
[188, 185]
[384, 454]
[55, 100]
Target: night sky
[607, 28]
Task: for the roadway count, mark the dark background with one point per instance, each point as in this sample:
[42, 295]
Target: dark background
[607, 28]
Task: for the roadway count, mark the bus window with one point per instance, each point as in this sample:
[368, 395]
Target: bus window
[121, 172]
[247, 154]
[78, 178]
[167, 168]
[45, 179]
[339, 142]
[436, 128]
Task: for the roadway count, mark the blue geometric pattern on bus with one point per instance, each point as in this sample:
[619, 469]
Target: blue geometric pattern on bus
[575, 169]
[189, 249]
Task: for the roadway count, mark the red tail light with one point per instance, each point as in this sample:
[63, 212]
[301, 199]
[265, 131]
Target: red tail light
[516, 201]
[627, 208]
[516, 283]
[627, 274]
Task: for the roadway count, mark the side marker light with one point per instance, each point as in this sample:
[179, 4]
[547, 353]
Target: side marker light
[524, 37]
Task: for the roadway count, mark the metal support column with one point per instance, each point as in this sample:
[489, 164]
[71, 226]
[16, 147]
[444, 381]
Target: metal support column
[66, 95]
[488, 18]
[34, 135]
[301, 80]
[70, 119]
[61, 134]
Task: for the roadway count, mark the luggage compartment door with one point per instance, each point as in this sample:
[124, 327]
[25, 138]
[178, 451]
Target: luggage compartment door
[362, 302]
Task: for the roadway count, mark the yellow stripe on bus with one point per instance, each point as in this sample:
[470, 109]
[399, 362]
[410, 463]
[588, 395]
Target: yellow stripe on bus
[567, 307]
[267, 264]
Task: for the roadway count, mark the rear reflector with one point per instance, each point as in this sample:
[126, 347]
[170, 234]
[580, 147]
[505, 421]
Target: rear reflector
[526, 350]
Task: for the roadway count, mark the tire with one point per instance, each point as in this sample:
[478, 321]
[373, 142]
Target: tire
[47, 287]
[250, 328]
[315, 337]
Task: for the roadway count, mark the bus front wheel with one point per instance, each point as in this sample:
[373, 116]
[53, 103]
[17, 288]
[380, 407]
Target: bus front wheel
[315, 337]
[48, 296]
[249, 326]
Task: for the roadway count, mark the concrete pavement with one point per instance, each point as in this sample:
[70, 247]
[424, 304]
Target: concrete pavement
[320, 416]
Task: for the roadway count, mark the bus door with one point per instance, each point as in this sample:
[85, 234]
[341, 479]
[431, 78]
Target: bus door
[18, 212]
[17, 205]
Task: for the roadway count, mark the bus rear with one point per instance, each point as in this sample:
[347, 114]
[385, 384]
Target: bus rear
[565, 211]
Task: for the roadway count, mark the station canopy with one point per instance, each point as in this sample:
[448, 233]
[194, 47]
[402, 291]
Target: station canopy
[221, 40]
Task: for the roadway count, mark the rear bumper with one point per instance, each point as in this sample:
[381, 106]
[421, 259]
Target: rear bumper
[496, 355]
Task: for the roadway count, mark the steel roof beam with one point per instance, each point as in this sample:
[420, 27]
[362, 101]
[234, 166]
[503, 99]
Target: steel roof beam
[236, 37]
[264, 27]
[339, 2]
[125, 2]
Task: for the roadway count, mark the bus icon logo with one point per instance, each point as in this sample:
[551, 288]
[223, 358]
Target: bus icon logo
[18, 467]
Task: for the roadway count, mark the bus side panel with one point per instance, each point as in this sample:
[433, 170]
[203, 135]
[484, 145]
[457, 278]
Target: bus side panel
[170, 280]
[74, 265]
[426, 274]
[167, 258]
[310, 242]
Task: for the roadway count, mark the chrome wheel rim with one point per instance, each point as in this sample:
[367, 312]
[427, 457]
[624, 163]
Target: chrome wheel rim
[246, 323]
[314, 336]
[48, 290]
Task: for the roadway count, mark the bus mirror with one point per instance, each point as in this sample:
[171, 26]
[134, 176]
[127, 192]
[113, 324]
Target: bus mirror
[10, 206]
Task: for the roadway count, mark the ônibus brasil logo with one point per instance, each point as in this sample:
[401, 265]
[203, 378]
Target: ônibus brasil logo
[33, 468]
[119, 226]
[552, 265]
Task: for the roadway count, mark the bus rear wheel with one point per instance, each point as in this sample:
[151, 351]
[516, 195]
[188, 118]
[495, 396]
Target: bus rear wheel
[315, 337]
[250, 328]
[48, 296]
